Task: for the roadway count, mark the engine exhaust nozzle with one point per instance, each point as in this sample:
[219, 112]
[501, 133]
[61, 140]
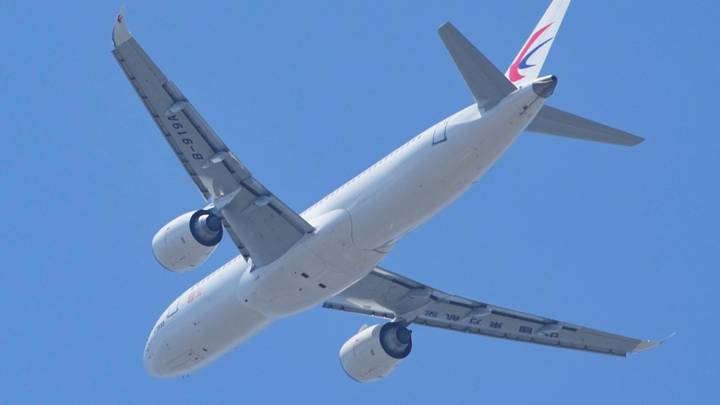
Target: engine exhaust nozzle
[545, 86]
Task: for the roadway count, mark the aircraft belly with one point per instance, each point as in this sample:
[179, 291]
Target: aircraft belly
[428, 177]
[321, 265]
[207, 337]
[417, 189]
[222, 329]
[233, 303]
[397, 205]
[203, 323]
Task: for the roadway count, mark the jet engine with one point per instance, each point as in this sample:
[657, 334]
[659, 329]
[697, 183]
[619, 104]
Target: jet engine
[188, 240]
[374, 351]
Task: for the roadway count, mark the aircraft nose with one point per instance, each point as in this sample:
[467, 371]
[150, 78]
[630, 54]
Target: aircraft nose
[150, 358]
[151, 367]
[153, 357]
[545, 86]
[155, 365]
[160, 361]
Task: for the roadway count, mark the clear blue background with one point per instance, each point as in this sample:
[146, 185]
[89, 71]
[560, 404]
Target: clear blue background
[310, 93]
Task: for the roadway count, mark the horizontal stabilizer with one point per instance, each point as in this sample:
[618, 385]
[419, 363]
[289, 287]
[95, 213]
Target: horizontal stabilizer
[553, 121]
[487, 84]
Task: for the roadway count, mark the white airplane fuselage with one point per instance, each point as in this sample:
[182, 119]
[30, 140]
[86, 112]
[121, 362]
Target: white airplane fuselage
[356, 226]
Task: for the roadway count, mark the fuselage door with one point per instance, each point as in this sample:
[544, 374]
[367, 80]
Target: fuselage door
[439, 134]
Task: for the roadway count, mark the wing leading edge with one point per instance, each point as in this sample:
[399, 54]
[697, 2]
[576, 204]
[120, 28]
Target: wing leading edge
[260, 224]
[388, 295]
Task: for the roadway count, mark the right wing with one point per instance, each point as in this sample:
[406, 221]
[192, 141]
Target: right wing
[389, 295]
[554, 121]
[261, 225]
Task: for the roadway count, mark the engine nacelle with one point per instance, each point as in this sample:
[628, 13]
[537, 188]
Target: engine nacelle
[374, 351]
[188, 240]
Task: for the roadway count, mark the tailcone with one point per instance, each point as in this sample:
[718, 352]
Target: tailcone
[545, 86]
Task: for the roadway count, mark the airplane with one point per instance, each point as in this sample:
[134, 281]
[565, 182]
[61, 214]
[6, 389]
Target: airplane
[329, 254]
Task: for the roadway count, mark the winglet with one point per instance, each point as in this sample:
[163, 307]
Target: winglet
[651, 344]
[120, 31]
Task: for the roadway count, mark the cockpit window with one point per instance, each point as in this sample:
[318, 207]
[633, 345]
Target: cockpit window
[173, 311]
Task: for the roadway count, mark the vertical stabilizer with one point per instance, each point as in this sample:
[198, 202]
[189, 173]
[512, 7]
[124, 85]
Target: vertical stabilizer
[529, 61]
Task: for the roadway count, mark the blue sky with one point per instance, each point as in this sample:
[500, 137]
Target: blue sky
[308, 94]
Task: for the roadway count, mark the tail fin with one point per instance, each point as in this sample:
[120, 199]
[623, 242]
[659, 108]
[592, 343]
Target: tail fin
[529, 61]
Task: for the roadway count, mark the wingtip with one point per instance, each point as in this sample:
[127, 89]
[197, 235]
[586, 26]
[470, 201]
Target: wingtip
[635, 140]
[445, 26]
[646, 345]
[120, 31]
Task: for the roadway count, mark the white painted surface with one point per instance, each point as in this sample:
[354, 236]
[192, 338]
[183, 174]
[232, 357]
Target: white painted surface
[176, 249]
[363, 358]
[355, 227]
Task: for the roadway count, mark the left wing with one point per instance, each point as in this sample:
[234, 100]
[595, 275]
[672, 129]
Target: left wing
[388, 295]
[261, 225]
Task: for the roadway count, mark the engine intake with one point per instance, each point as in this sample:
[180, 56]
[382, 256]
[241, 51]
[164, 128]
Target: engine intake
[188, 240]
[206, 228]
[375, 351]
